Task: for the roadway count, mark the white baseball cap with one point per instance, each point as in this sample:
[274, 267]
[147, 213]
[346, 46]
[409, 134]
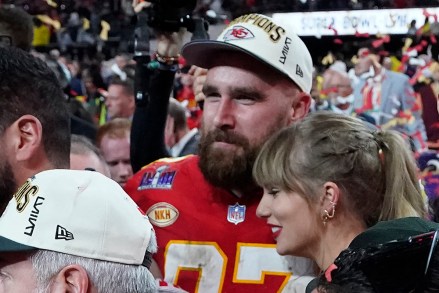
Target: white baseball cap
[77, 212]
[257, 35]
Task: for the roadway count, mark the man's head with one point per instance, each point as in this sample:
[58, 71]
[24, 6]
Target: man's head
[368, 58]
[120, 98]
[338, 89]
[176, 123]
[259, 79]
[113, 139]
[75, 231]
[16, 28]
[84, 155]
[34, 120]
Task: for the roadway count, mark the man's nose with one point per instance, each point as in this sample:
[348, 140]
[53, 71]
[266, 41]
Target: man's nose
[225, 114]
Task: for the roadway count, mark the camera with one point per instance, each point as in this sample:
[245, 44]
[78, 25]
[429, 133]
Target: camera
[167, 16]
[171, 15]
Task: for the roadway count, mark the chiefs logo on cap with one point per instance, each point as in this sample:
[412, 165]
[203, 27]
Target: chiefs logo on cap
[238, 32]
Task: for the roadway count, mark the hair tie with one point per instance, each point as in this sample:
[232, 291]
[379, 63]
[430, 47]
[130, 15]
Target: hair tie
[378, 138]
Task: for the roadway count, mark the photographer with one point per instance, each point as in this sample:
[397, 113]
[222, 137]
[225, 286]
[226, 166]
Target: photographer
[154, 80]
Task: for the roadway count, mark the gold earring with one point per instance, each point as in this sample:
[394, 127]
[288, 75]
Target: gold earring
[325, 219]
[328, 215]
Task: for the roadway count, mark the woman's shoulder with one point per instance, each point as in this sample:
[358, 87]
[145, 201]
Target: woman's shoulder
[397, 229]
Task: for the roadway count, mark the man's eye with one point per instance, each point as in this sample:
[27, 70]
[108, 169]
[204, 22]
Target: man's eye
[212, 98]
[3, 276]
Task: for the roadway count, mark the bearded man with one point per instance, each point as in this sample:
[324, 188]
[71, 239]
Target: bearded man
[34, 121]
[204, 207]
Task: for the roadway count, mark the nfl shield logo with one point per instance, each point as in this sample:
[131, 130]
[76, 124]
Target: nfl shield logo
[236, 213]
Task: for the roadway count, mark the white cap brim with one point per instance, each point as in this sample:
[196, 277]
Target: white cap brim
[262, 38]
[202, 53]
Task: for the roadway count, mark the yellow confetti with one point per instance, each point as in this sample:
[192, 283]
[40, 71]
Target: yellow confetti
[49, 21]
[105, 29]
[408, 42]
[354, 59]
[85, 23]
[52, 3]
[328, 59]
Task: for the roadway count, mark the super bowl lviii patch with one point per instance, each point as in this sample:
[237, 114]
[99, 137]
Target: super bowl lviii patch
[162, 214]
[236, 213]
[162, 178]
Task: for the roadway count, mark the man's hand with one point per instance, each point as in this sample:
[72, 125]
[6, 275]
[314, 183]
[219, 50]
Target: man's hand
[139, 5]
[375, 62]
[199, 74]
[169, 43]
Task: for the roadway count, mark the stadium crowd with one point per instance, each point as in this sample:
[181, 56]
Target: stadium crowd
[213, 140]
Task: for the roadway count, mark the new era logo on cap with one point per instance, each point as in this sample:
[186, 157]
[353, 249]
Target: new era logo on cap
[299, 71]
[62, 233]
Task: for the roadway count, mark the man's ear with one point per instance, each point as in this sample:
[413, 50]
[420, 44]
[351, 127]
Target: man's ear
[26, 134]
[71, 279]
[300, 107]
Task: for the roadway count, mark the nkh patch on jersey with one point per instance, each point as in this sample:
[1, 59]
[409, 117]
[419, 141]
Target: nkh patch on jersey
[162, 214]
[162, 178]
[236, 213]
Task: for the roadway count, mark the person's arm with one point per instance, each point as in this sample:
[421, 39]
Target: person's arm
[149, 120]
[415, 127]
[147, 130]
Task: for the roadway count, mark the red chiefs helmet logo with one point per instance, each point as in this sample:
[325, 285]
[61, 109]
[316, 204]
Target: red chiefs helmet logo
[238, 33]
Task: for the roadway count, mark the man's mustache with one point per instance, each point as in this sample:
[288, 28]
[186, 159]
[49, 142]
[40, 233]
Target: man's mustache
[230, 137]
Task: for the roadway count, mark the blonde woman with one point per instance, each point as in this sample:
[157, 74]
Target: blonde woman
[328, 178]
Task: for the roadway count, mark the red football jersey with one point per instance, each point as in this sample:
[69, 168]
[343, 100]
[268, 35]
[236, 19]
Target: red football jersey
[209, 239]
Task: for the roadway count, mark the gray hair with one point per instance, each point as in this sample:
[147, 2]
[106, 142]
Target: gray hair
[81, 145]
[105, 276]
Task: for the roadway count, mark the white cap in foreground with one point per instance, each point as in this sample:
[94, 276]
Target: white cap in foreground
[77, 212]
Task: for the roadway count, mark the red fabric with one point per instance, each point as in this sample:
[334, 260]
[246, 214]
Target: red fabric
[430, 114]
[203, 221]
[367, 92]
[400, 3]
[361, 35]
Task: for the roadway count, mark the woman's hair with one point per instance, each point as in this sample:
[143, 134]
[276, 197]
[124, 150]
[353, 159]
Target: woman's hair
[375, 170]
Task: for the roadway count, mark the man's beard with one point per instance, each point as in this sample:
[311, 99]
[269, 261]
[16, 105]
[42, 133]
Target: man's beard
[224, 168]
[8, 186]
